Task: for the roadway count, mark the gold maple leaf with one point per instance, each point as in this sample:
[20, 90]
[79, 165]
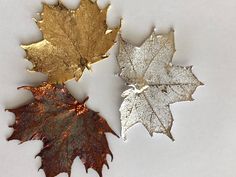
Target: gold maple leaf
[72, 40]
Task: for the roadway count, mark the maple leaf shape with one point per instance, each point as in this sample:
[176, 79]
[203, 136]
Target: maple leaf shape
[67, 128]
[155, 82]
[73, 39]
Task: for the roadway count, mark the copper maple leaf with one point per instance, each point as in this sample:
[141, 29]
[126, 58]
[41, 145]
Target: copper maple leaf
[67, 127]
[72, 40]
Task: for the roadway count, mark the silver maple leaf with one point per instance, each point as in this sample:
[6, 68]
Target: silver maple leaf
[155, 83]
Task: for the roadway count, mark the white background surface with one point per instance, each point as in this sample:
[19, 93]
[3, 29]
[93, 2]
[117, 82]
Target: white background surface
[204, 130]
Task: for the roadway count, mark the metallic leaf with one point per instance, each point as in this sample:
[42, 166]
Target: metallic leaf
[155, 83]
[67, 127]
[73, 40]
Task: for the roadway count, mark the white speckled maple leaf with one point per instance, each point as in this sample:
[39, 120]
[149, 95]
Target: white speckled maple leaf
[155, 83]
